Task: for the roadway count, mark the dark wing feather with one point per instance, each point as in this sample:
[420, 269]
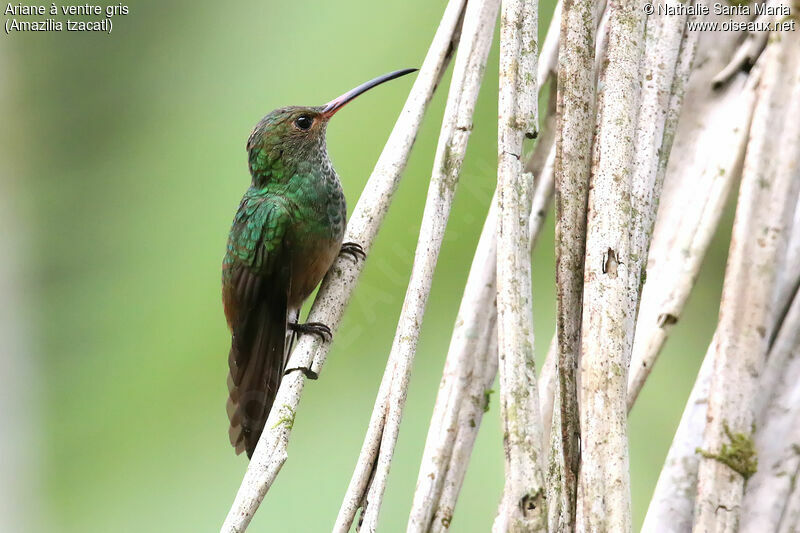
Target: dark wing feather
[256, 281]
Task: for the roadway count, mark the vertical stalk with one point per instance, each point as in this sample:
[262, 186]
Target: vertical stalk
[523, 506]
[766, 203]
[607, 327]
[573, 162]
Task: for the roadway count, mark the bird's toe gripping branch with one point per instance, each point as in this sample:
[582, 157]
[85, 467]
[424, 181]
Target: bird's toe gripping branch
[354, 250]
[314, 328]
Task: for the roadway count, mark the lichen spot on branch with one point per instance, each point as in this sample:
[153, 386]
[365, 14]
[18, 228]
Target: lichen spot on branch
[739, 455]
[487, 397]
[287, 419]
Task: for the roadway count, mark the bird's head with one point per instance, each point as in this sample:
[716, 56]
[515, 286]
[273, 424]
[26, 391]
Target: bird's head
[295, 135]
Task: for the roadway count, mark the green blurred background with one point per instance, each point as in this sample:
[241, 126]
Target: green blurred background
[123, 162]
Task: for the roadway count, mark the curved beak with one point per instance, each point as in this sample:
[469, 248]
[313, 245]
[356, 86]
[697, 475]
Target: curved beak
[337, 103]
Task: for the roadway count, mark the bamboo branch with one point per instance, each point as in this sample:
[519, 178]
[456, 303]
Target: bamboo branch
[548, 55]
[575, 110]
[778, 407]
[548, 376]
[790, 274]
[271, 452]
[766, 201]
[671, 508]
[778, 436]
[468, 374]
[748, 52]
[458, 413]
[523, 506]
[469, 417]
[669, 52]
[547, 386]
[713, 161]
[790, 521]
[369, 479]
[455, 421]
[681, 183]
[463, 369]
[607, 328]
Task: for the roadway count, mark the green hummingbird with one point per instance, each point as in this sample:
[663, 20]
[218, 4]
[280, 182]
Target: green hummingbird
[286, 234]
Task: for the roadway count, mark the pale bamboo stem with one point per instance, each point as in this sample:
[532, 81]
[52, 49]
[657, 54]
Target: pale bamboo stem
[669, 51]
[766, 201]
[470, 416]
[718, 154]
[777, 404]
[461, 371]
[454, 424]
[369, 479]
[750, 49]
[607, 328]
[576, 119]
[790, 521]
[672, 506]
[523, 506]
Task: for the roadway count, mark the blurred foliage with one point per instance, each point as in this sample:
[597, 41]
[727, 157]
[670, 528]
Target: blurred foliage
[129, 161]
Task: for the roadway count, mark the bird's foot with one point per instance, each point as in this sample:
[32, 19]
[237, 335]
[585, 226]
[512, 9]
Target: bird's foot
[314, 328]
[354, 250]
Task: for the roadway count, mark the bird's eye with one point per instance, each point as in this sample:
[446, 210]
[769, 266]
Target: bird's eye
[303, 122]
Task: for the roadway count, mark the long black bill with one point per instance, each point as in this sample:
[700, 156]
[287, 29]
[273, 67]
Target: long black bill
[337, 103]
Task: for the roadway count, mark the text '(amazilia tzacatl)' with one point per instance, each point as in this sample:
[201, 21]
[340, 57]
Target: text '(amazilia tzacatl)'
[286, 234]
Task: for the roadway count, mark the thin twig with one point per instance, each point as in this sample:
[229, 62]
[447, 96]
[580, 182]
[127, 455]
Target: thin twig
[450, 461]
[547, 391]
[369, 479]
[750, 49]
[548, 55]
[575, 109]
[271, 452]
[541, 165]
[470, 417]
[765, 208]
[470, 337]
[672, 506]
[462, 393]
[790, 273]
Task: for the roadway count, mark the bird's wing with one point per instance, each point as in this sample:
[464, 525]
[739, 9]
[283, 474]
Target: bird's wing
[256, 282]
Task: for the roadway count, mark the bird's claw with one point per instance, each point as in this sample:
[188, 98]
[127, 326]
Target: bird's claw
[354, 250]
[315, 328]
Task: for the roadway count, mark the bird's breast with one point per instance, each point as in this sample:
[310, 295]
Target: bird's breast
[318, 231]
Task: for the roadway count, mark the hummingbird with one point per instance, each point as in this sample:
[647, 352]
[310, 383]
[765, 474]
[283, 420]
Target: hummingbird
[286, 234]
